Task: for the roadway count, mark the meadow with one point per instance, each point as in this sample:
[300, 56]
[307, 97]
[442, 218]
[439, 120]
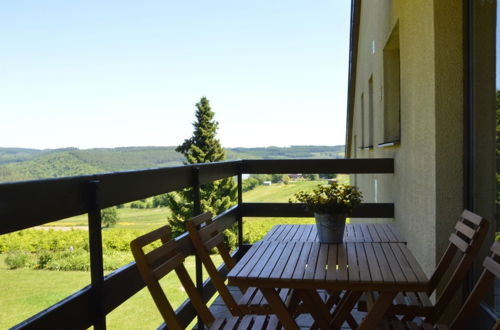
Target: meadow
[24, 292]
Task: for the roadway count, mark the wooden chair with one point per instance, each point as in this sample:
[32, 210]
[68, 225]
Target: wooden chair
[466, 240]
[159, 262]
[491, 271]
[210, 236]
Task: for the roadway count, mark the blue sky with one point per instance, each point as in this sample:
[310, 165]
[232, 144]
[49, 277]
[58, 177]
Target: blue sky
[122, 73]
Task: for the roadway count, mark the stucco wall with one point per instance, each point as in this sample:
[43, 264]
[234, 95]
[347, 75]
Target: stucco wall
[427, 184]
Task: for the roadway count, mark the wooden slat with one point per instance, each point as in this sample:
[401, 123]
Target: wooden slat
[250, 263]
[379, 269]
[320, 272]
[287, 229]
[417, 270]
[472, 217]
[282, 252]
[464, 229]
[389, 233]
[342, 262]
[358, 235]
[332, 261]
[366, 233]
[263, 260]
[492, 266]
[291, 262]
[162, 250]
[292, 234]
[495, 248]
[288, 253]
[312, 166]
[404, 264]
[305, 233]
[374, 234]
[208, 231]
[300, 265]
[201, 219]
[424, 299]
[154, 235]
[382, 234]
[272, 234]
[242, 263]
[394, 266]
[313, 234]
[395, 233]
[273, 323]
[214, 241]
[169, 265]
[355, 261]
[311, 262]
[247, 297]
[459, 243]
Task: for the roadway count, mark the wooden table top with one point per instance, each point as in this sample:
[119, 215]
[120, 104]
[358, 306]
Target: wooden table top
[358, 232]
[347, 266]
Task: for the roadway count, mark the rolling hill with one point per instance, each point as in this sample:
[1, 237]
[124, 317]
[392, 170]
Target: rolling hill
[17, 164]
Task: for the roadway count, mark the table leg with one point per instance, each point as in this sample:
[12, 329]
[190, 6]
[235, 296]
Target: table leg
[279, 308]
[376, 314]
[343, 310]
[316, 306]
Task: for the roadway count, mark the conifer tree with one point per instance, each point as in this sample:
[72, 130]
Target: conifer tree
[202, 147]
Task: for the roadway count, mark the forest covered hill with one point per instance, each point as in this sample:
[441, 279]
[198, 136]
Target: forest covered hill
[17, 164]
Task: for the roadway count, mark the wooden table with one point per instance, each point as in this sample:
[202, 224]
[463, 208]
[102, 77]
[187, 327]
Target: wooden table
[307, 267]
[358, 232]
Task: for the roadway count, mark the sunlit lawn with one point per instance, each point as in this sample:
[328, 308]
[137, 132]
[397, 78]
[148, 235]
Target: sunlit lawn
[129, 218]
[24, 292]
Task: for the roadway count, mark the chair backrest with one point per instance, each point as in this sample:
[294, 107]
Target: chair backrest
[470, 232]
[206, 235]
[491, 271]
[157, 263]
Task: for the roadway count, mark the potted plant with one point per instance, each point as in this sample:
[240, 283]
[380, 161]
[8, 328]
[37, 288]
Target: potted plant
[331, 205]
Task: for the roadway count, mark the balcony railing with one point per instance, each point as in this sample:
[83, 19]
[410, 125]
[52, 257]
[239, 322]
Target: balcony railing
[27, 204]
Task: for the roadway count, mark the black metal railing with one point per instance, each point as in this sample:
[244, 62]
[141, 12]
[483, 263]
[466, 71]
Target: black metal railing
[27, 204]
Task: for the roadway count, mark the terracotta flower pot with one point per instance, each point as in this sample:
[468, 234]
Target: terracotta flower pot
[330, 227]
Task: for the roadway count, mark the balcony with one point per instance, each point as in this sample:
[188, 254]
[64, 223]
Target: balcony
[55, 199]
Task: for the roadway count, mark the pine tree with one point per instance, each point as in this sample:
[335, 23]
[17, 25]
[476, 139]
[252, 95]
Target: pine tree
[202, 147]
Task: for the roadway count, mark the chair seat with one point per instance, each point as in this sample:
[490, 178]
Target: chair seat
[247, 322]
[254, 302]
[414, 303]
[401, 325]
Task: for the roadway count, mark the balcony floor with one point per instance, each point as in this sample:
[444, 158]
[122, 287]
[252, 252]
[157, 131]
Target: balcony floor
[219, 309]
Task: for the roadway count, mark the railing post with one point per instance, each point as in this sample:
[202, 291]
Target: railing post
[196, 211]
[240, 202]
[96, 259]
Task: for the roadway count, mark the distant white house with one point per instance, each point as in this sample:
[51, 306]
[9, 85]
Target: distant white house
[266, 183]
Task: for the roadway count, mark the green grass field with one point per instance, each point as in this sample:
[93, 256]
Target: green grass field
[24, 292]
[129, 218]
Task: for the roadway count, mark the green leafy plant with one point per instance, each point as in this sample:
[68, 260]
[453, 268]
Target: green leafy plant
[333, 198]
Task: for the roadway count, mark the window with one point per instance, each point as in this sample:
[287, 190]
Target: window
[363, 119]
[370, 113]
[392, 98]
